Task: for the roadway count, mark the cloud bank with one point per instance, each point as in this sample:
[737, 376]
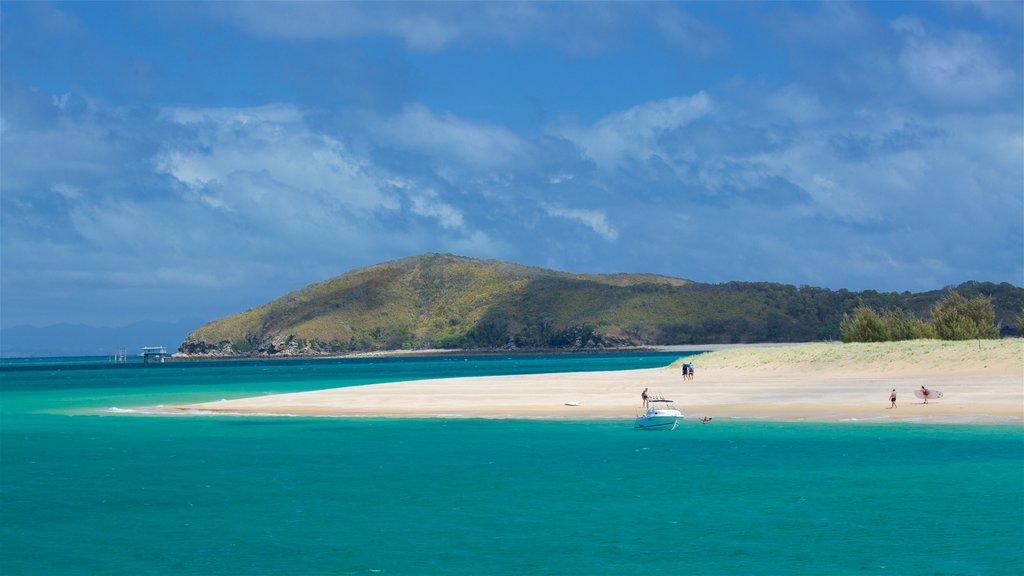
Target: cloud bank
[893, 165]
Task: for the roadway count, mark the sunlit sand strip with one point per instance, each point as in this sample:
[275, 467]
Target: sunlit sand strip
[982, 382]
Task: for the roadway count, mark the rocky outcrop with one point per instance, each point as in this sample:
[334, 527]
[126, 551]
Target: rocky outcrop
[275, 347]
[203, 349]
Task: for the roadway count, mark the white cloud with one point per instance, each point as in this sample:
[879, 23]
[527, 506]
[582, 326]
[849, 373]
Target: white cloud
[257, 154]
[68, 191]
[62, 151]
[421, 26]
[596, 220]
[960, 68]
[794, 103]
[477, 244]
[691, 34]
[1005, 13]
[903, 151]
[235, 118]
[826, 25]
[426, 203]
[634, 133]
[319, 20]
[909, 25]
[472, 145]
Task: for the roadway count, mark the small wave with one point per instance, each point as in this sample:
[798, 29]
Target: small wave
[157, 410]
[200, 412]
[868, 419]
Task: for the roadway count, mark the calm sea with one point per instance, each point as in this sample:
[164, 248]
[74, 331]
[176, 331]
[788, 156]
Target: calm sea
[87, 491]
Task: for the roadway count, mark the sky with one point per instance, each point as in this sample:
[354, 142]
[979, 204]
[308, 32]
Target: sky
[171, 160]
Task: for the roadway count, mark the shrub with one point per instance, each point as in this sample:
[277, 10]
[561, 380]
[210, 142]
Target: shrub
[864, 326]
[956, 318]
[905, 326]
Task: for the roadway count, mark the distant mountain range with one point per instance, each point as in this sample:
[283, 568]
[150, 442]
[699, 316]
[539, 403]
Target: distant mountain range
[452, 302]
[82, 340]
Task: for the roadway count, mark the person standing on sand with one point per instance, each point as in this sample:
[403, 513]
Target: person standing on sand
[643, 396]
[892, 398]
[925, 392]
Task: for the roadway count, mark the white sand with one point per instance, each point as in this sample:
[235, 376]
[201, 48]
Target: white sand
[983, 381]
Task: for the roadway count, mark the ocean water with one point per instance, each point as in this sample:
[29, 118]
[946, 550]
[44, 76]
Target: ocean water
[87, 491]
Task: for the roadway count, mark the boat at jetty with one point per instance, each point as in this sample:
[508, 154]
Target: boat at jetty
[660, 415]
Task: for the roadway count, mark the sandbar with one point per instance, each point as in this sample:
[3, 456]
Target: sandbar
[982, 382]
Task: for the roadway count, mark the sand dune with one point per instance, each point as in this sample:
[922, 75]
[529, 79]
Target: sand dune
[983, 381]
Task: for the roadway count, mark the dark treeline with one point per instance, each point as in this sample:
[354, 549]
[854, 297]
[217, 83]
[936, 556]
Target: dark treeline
[952, 318]
[734, 312]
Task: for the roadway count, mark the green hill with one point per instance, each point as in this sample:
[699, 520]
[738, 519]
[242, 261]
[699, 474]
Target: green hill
[446, 301]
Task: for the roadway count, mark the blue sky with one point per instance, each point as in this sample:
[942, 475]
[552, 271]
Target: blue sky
[175, 160]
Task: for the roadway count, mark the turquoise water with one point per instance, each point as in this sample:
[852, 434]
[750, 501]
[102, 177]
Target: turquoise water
[84, 493]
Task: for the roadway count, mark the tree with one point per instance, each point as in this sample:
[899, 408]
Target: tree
[864, 326]
[956, 318]
[905, 326]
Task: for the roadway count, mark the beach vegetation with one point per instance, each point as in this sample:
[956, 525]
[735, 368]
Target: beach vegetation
[864, 325]
[959, 318]
[903, 325]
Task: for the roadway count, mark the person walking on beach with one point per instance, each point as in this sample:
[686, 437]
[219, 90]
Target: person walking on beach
[925, 392]
[892, 398]
[689, 371]
[643, 396]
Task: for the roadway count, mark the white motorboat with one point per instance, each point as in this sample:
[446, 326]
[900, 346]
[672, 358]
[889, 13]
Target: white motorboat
[660, 415]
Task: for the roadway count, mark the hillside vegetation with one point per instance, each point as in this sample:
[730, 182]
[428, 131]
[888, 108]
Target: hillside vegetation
[446, 301]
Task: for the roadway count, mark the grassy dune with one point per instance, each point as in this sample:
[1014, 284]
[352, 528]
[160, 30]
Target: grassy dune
[979, 357]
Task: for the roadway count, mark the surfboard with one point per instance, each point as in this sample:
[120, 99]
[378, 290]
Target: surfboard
[932, 394]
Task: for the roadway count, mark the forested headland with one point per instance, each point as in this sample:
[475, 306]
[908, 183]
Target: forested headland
[441, 301]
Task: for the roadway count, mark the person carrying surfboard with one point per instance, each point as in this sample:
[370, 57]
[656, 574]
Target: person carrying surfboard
[924, 392]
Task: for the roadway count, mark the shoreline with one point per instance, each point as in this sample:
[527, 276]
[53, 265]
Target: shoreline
[983, 382]
[179, 357]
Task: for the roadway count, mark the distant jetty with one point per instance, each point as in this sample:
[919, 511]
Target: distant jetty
[153, 354]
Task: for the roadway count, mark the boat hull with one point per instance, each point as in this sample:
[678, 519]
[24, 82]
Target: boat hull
[658, 420]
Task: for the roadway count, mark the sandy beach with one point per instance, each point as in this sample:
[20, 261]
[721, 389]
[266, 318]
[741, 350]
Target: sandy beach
[982, 381]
